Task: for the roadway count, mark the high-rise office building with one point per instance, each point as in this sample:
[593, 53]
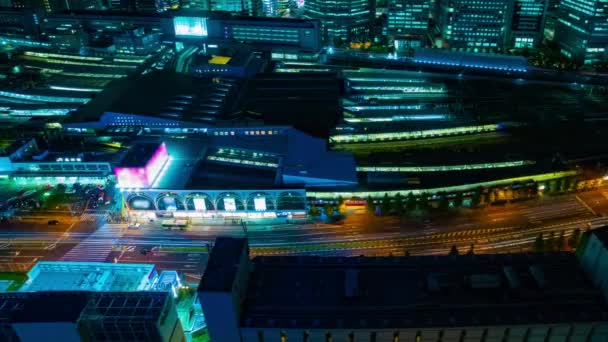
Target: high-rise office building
[244, 7]
[582, 30]
[474, 25]
[409, 20]
[342, 20]
[475, 298]
[270, 8]
[527, 23]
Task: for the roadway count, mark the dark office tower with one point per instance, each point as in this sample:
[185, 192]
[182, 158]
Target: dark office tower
[200, 5]
[474, 25]
[145, 6]
[527, 24]
[408, 20]
[342, 20]
[582, 30]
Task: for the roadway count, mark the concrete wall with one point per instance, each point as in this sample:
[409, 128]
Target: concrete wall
[542, 333]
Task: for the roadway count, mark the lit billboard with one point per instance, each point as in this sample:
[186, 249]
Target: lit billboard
[229, 204]
[131, 177]
[141, 204]
[259, 203]
[156, 163]
[142, 177]
[199, 204]
[190, 26]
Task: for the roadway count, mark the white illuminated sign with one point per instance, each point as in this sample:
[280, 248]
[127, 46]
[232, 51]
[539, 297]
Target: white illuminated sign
[190, 26]
[259, 203]
[140, 204]
[229, 204]
[199, 204]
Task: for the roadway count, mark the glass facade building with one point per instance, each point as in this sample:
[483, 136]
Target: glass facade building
[474, 25]
[582, 30]
[409, 19]
[342, 20]
[527, 23]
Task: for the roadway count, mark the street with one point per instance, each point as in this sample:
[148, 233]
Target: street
[507, 228]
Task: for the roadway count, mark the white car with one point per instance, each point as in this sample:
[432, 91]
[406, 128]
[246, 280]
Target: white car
[134, 225]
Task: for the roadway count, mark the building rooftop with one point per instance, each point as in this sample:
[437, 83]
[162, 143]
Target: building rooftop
[187, 99]
[387, 292]
[88, 276]
[223, 264]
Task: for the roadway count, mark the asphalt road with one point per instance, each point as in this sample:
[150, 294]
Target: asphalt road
[508, 228]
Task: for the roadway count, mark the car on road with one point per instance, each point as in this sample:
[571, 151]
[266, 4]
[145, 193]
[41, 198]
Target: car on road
[53, 222]
[134, 226]
[144, 251]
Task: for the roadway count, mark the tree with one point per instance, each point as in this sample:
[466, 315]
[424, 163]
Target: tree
[340, 201]
[471, 250]
[539, 244]
[492, 196]
[371, 207]
[313, 211]
[454, 250]
[574, 238]
[458, 200]
[476, 200]
[385, 204]
[410, 202]
[444, 204]
[398, 205]
[329, 210]
[559, 244]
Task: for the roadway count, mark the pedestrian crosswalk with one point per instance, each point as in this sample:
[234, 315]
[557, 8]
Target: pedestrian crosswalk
[89, 216]
[97, 246]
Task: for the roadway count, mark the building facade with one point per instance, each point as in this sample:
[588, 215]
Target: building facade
[72, 316]
[474, 25]
[527, 23]
[409, 21]
[342, 20]
[582, 30]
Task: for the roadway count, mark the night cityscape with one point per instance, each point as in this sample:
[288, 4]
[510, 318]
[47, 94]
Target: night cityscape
[304, 170]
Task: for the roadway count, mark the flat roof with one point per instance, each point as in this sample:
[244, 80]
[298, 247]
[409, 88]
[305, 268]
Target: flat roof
[419, 291]
[220, 60]
[84, 276]
[160, 94]
[223, 264]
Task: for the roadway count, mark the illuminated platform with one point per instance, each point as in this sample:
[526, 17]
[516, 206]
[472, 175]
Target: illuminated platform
[89, 276]
[216, 203]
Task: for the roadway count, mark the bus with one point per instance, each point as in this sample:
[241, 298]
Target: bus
[169, 224]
